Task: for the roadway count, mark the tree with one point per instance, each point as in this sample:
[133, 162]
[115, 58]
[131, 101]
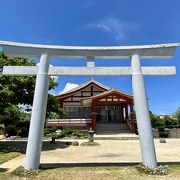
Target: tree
[16, 90]
[53, 108]
[178, 114]
[156, 121]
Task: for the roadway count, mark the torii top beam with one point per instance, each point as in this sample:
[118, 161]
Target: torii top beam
[110, 52]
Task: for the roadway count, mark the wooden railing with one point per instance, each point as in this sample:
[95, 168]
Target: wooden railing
[69, 121]
[131, 125]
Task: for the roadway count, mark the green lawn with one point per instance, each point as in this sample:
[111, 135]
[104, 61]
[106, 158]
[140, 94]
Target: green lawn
[95, 173]
[6, 156]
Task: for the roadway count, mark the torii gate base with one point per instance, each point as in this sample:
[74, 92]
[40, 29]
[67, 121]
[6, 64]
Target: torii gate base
[41, 90]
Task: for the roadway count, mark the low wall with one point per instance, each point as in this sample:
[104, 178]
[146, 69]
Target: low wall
[155, 133]
[174, 133]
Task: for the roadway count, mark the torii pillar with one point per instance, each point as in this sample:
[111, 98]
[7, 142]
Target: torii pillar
[35, 136]
[142, 114]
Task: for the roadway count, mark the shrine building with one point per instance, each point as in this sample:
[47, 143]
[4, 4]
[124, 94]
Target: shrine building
[92, 104]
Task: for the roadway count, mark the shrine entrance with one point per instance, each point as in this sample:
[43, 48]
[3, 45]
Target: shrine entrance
[109, 114]
[135, 71]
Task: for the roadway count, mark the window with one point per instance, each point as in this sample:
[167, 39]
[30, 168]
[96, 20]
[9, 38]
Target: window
[77, 112]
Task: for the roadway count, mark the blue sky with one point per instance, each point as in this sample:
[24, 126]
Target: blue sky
[101, 23]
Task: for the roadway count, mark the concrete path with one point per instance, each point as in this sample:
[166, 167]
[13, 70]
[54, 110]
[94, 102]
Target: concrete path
[117, 151]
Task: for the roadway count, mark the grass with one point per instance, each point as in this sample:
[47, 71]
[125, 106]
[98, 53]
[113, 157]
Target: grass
[94, 173]
[88, 143]
[6, 156]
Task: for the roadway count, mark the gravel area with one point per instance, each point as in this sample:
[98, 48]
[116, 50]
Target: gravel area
[108, 151]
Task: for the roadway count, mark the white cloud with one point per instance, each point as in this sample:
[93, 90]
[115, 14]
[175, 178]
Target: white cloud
[54, 92]
[88, 3]
[115, 27]
[53, 77]
[25, 108]
[69, 86]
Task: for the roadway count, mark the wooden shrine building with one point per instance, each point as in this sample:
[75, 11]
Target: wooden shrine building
[95, 105]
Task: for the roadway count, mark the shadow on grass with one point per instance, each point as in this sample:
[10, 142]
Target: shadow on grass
[3, 170]
[169, 163]
[98, 164]
[20, 146]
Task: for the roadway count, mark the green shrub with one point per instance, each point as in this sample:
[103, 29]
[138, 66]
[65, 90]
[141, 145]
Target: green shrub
[50, 131]
[53, 129]
[11, 130]
[161, 129]
[47, 131]
[23, 132]
[21, 124]
[171, 122]
[163, 134]
[54, 135]
[78, 133]
[2, 130]
[179, 123]
[67, 131]
[156, 121]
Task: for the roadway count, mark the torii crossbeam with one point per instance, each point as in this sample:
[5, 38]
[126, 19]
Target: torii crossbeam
[45, 52]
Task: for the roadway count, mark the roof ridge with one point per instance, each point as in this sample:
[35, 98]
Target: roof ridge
[106, 92]
[85, 84]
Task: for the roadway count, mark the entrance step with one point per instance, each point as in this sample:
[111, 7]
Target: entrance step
[120, 136]
[112, 128]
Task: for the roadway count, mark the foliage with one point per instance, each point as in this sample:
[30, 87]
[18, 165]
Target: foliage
[2, 130]
[18, 90]
[10, 115]
[23, 132]
[53, 129]
[66, 132]
[23, 123]
[170, 122]
[49, 131]
[54, 110]
[178, 113]
[69, 132]
[14, 122]
[156, 121]
[46, 131]
[78, 133]
[10, 130]
[165, 122]
[161, 129]
[15, 90]
[163, 134]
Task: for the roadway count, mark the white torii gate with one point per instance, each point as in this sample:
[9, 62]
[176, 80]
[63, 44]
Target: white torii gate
[45, 52]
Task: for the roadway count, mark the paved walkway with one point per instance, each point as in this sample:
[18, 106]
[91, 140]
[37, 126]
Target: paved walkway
[116, 151]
